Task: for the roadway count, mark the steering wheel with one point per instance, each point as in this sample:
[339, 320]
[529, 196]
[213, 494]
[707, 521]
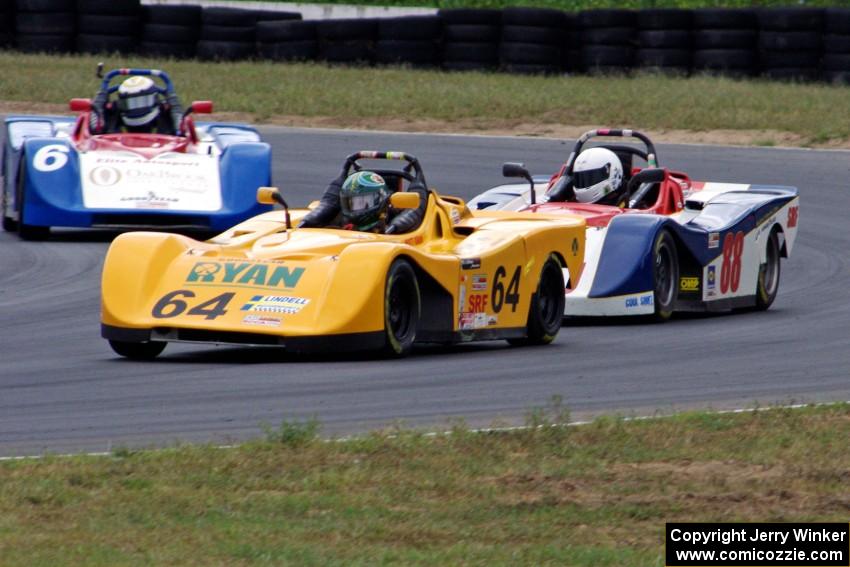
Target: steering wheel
[560, 187]
[412, 171]
[162, 75]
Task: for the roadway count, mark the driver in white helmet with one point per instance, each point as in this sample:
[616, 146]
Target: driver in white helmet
[598, 177]
[139, 108]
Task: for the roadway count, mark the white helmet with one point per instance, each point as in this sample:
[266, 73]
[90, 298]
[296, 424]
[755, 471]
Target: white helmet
[137, 101]
[597, 172]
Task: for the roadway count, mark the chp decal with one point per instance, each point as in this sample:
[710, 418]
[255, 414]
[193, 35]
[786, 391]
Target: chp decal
[119, 180]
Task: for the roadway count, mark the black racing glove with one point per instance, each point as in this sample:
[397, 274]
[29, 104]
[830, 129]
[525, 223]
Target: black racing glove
[97, 119]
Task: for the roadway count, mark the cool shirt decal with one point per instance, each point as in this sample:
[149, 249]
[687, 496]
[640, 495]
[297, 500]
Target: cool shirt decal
[244, 273]
[276, 304]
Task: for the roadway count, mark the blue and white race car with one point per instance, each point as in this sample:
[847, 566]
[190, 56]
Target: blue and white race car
[675, 245]
[57, 173]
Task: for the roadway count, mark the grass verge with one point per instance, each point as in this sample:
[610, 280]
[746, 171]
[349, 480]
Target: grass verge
[753, 112]
[596, 494]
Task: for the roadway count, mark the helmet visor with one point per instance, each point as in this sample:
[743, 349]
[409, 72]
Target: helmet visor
[353, 204]
[138, 102]
[591, 177]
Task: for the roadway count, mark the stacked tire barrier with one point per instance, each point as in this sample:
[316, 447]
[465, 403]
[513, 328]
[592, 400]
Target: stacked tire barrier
[471, 39]
[170, 31]
[608, 40]
[107, 26]
[836, 46]
[664, 40]
[45, 26]
[795, 43]
[724, 41]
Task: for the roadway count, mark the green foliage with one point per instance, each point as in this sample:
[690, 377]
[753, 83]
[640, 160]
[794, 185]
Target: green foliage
[293, 433]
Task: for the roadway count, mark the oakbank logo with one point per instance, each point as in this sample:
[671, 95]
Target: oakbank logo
[244, 273]
[105, 176]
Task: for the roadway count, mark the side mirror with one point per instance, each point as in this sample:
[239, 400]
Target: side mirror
[513, 169]
[202, 107]
[405, 200]
[80, 104]
[268, 195]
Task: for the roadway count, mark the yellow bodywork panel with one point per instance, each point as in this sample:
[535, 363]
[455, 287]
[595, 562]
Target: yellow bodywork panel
[259, 277]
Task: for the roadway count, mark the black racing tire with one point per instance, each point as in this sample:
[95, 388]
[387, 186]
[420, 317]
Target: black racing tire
[238, 17]
[724, 39]
[115, 7]
[663, 58]
[546, 308]
[225, 50]
[289, 50]
[479, 52]
[594, 56]
[461, 65]
[836, 21]
[530, 68]
[37, 43]
[276, 16]
[167, 33]
[347, 51]
[537, 17]
[789, 41]
[790, 19]
[834, 43]
[410, 28]
[792, 74]
[664, 19]
[114, 25]
[836, 62]
[677, 39]
[767, 286]
[348, 29]
[174, 15]
[781, 59]
[724, 18]
[244, 34]
[529, 53]
[286, 30]
[415, 52]
[58, 23]
[402, 307]
[609, 36]
[165, 49]
[532, 34]
[613, 18]
[471, 33]
[742, 60]
[485, 16]
[147, 350]
[665, 271]
[91, 43]
[836, 77]
[46, 5]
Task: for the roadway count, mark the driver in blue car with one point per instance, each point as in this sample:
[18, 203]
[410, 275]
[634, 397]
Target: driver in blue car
[362, 202]
[138, 109]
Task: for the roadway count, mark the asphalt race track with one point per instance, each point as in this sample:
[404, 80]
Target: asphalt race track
[63, 390]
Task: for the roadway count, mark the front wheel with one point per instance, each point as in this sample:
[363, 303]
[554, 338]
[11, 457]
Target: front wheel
[27, 231]
[546, 309]
[401, 308]
[768, 280]
[147, 350]
[666, 275]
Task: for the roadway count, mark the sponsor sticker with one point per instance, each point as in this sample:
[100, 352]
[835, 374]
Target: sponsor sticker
[455, 214]
[261, 320]
[793, 215]
[713, 239]
[244, 273]
[276, 304]
[688, 284]
[470, 263]
[574, 247]
[466, 321]
[711, 281]
[479, 282]
[477, 303]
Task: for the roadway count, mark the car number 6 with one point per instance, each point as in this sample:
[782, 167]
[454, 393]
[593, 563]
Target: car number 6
[50, 157]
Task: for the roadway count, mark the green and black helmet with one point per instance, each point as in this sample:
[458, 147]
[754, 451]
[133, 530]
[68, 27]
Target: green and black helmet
[363, 199]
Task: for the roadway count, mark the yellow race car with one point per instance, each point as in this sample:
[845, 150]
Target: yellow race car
[457, 276]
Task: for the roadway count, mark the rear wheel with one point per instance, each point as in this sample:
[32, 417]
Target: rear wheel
[666, 275]
[768, 279]
[547, 306]
[147, 350]
[401, 308]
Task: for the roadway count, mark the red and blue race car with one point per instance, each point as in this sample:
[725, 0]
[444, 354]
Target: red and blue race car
[675, 245]
[58, 173]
